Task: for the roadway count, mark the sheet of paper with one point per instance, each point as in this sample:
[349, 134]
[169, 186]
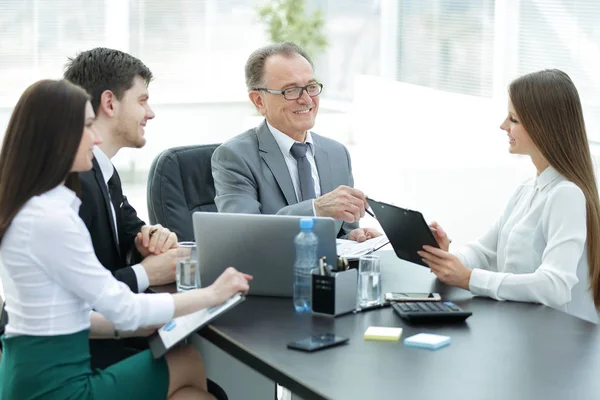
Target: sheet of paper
[180, 327]
[353, 250]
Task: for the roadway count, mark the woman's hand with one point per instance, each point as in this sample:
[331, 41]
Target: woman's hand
[230, 282]
[446, 267]
[440, 235]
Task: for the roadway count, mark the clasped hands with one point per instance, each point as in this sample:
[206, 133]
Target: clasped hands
[349, 205]
[158, 246]
[155, 239]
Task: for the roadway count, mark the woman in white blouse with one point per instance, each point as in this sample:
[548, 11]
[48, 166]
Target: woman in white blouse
[53, 280]
[545, 248]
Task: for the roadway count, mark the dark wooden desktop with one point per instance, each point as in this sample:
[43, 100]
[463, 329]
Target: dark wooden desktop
[505, 350]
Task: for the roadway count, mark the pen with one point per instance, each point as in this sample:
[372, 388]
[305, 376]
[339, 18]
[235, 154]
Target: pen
[342, 264]
[369, 308]
[323, 267]
[370, 213]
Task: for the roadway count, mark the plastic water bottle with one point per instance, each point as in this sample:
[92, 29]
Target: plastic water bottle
[306, 259]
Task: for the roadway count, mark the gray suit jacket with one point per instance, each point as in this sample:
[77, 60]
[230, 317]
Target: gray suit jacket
[251, 175]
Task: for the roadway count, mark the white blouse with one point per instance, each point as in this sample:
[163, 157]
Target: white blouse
[536, 251]
[52, 278]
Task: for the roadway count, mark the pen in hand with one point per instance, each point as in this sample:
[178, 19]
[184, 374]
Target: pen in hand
[370, 213]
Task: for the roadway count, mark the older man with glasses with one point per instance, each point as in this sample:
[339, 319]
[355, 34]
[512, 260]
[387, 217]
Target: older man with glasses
[281, 167]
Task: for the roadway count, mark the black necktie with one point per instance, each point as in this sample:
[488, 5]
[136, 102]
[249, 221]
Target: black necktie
[307, 184]
[115, 194]
[112, 191]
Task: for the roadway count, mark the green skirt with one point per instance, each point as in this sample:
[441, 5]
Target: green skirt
[58, 367]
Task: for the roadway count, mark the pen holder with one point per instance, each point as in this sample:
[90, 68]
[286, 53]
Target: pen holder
[336, 294]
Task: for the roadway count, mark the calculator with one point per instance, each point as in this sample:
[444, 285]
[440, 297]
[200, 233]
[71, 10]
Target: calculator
[430, 311]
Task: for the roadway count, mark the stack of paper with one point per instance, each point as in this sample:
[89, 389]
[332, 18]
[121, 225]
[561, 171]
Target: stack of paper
[353, 250]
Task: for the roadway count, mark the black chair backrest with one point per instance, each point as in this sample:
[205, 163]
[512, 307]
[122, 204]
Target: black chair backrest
[180, 182]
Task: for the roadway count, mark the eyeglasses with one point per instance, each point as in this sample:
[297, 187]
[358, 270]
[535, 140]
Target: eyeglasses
[294, 93]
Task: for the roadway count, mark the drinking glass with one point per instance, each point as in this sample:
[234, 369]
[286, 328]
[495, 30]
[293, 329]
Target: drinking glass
[369, 281]
[187, 273]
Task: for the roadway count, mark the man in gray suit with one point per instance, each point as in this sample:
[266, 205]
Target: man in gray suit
[281, 167]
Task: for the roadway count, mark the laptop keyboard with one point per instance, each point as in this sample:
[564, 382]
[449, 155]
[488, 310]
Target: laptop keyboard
[430, 311]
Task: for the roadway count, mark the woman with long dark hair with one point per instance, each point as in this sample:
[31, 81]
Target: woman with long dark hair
[53, 280]
[545, 248]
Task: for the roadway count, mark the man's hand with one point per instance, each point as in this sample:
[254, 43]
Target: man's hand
[446, 267]
[362, 234]
[344, 203]
[161, 268]
[154, 239]
[230, 282]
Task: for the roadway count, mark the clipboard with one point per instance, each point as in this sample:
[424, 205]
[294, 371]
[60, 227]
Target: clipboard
[406, 229]
[178, 329]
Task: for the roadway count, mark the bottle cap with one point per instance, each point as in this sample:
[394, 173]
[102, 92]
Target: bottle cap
[306, 223]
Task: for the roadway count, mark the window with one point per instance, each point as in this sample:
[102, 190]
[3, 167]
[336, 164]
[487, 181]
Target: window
[562, 34]
[195, 49]
[446, 45]
[37, 36]
[449, 45]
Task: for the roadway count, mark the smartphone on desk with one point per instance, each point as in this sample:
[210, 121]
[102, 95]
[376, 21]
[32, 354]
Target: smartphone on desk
[406, 297]
[317, 342]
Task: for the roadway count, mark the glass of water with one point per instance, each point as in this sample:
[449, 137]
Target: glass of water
[369, 281]
[188, 273]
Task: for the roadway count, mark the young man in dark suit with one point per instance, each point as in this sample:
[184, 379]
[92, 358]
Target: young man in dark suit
[139, 255]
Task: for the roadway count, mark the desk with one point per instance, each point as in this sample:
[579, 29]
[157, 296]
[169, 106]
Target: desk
[505, 350]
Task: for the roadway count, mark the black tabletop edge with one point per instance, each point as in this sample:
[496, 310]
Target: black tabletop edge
[244, 355]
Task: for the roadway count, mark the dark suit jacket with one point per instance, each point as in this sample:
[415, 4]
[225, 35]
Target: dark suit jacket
[96, 213]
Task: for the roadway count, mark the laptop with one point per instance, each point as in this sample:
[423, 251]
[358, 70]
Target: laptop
[257, 244]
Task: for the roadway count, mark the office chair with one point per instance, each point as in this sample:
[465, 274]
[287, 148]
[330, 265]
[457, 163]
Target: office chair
[180, 182]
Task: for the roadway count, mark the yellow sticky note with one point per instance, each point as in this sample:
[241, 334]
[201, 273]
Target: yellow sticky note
[383, 333]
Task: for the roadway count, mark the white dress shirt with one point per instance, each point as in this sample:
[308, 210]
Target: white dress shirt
[536, 252]
[108, 169]
[285, 144]
[52, 278]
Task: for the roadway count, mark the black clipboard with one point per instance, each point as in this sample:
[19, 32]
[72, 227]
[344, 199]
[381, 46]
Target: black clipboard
[406, 229]
[178, 329]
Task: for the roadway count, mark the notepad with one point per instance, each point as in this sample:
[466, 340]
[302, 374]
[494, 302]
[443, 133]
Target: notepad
[383, 333]
[181, 327]
[352, 250]
[427, 341]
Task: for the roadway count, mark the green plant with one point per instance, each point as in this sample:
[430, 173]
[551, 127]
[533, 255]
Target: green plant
[287, 21]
